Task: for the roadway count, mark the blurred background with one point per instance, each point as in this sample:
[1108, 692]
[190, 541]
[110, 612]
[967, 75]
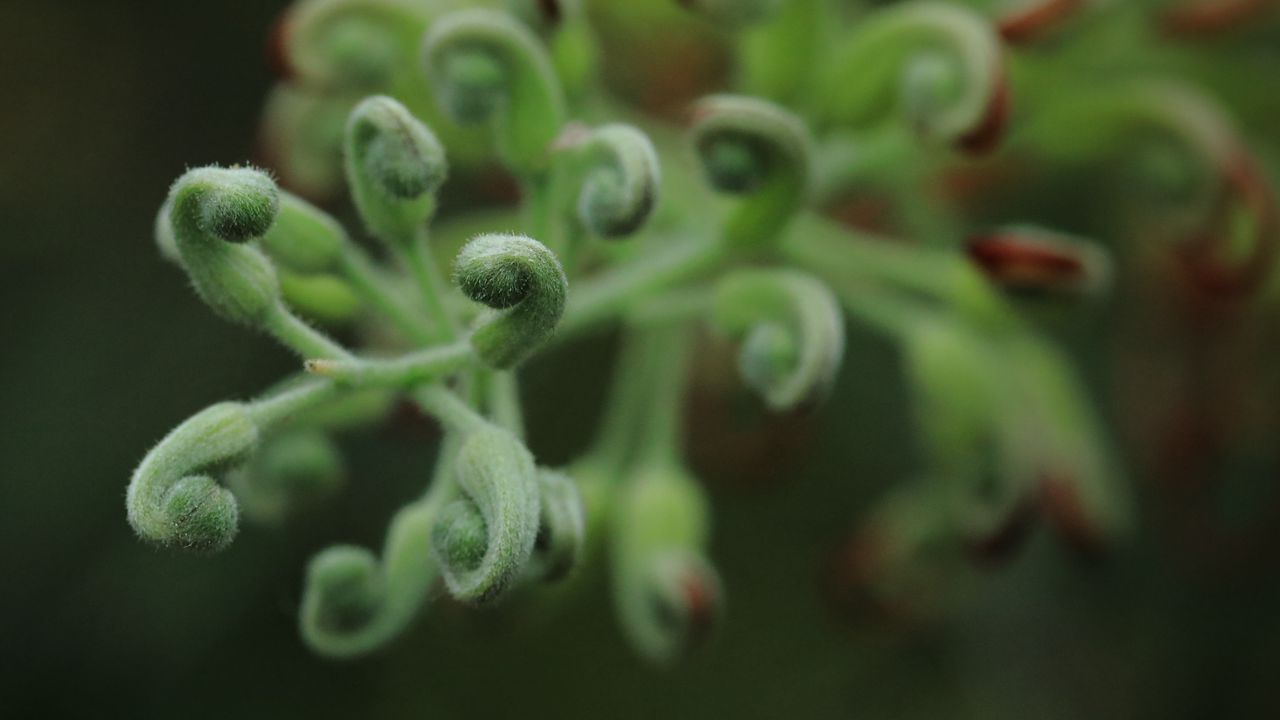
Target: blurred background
[103, 349]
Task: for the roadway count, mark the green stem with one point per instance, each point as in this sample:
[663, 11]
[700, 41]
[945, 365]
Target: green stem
[614, 445]
[671, 306]
[826, 248]
[539, 202]
[610, 294]
[502, 399]
[417, 368]
[449, 409]
[844, 163]
[662, 431]
[431, 285]
[883, 309]
[575, 238]
[300, 337]
[275, 408]
[842, 256]
[369, 282]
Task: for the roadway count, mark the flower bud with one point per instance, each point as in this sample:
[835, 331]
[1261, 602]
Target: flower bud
[483, 541]
[214, 211]
[394, 166]
[668, 596]
[793, 329]
[174, 498]
[520, 277]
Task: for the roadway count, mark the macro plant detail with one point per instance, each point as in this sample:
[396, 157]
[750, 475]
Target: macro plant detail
[517, 203]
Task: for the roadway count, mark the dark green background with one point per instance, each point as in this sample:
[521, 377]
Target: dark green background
[103, 349]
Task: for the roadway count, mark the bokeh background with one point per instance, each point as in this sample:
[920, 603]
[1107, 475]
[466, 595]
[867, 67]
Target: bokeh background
[103, 349]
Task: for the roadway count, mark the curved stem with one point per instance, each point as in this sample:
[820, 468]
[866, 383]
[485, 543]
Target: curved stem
[662, 431]
[300, 337]
[277, 407]
[675, 305]
[446, 406]
[431, 285]
[843, 257]
[815, 243]
[609, 294]
[501, 393]
[843, 162]
[615, 442]
[414, 369]
[538, 202]
[369, 283]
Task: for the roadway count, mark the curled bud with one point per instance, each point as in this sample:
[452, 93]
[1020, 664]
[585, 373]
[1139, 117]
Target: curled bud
[793, 329]
[561, 527]
[358, 44]
[747, 144]
[292, 470]
[570, 37]
[485, 66]
[1245, 215]
[941, 61]
[667, 594]
[483, 540]
[755, 148]
[620, 187]
[303, 238]
[394, 166]
[174, 498]
[213, 212]
[353, 604]
[301, 138]
[1032, 261]
[1220, 215]
[522, 279]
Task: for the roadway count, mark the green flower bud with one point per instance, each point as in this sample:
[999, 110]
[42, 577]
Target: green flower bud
[484, 540]
[214, 211]
[174, 498]
[980, 444]
[345, 589]
[523, 279]
[941, 62]
[485, 66]
[621, 179]
[794, 333]
[351, 43]
[668, 596]
[756, 149]
[302, 131]
[353, 604]
[394, 166]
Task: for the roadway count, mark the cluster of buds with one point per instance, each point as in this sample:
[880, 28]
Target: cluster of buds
[746, 222]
